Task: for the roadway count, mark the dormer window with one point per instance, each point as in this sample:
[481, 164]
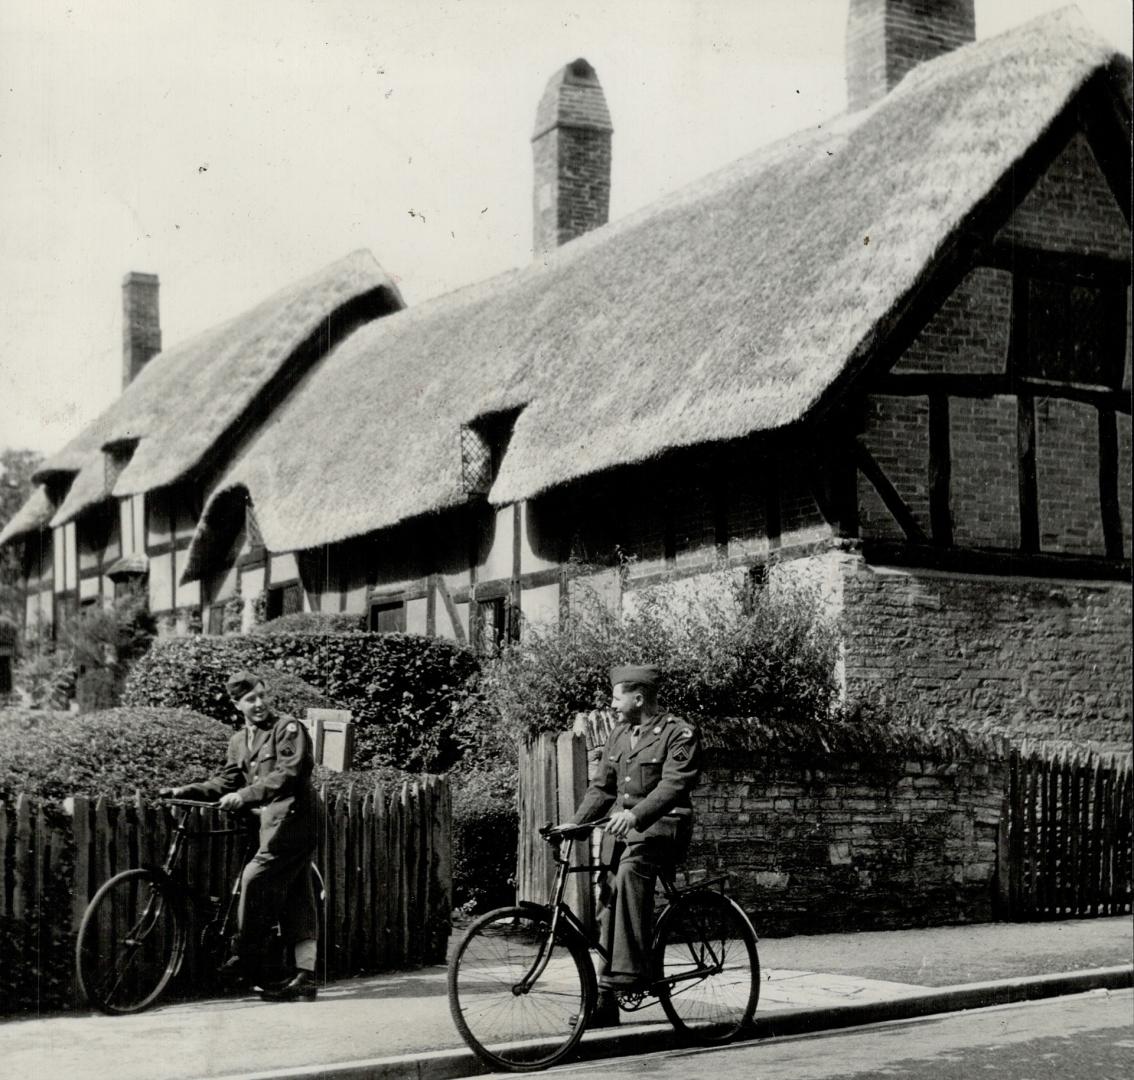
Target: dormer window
[483, 444]
[116, 456]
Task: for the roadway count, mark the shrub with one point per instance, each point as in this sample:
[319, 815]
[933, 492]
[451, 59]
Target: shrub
[46, 677]
[313, 622]
[115, 752]
[400, 688]
[755, 670]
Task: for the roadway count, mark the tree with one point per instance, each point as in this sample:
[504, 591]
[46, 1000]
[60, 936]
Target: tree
[16, 468]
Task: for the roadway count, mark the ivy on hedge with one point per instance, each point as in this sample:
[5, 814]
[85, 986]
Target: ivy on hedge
[401, 688]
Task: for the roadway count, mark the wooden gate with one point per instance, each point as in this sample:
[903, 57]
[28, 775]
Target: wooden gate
[1066, 837]
[552, 780]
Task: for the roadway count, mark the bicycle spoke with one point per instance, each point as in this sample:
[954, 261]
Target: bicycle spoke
[507, 1029]
[707, 954]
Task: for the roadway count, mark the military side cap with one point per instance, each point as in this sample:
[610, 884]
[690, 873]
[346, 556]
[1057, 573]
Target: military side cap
[240, 683]
[634, 673]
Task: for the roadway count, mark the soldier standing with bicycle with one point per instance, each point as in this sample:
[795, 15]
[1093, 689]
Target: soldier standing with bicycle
[650, 765]
[268, 766]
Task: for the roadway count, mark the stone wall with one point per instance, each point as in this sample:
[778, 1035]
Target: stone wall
[852, 845]
[1047, 659]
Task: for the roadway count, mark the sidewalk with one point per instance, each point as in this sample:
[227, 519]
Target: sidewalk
[398, 1025]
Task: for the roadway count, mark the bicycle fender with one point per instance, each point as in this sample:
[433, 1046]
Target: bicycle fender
[664, 918]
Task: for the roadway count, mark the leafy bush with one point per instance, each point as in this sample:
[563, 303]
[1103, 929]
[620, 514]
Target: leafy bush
[485, 816]
[313, 622]
[55, 754]
[46, 677]
[400, 688]
[755, 670]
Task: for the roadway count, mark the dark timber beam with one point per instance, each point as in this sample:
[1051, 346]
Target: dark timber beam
[889, 494]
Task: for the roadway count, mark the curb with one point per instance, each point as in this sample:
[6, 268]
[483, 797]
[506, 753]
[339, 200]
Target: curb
[451, 1064]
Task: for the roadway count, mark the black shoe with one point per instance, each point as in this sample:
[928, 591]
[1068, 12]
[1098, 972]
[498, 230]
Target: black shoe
[300, 987]
[605, 1013]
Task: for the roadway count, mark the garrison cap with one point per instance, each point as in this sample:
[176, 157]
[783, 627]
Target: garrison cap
[634, 673]
[240, 683]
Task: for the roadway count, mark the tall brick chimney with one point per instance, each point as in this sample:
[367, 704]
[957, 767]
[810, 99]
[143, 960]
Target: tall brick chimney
[571, 149]
[141, 327]
[885, 38]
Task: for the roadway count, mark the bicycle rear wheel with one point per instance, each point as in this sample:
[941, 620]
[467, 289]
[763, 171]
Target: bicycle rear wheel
[706, 951]
[130, 942]
[509, 1027]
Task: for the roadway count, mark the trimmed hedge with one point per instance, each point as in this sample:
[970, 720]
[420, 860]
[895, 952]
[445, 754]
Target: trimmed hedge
[313, 622]
[115, 752]
[402, 689]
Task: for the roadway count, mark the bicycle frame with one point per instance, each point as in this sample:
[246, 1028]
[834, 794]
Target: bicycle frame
[561, 914]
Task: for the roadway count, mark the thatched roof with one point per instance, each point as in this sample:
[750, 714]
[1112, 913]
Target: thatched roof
[33, 515]
[725, 309]
[189, 396]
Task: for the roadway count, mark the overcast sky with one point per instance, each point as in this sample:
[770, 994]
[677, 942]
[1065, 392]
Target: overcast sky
[233, 147]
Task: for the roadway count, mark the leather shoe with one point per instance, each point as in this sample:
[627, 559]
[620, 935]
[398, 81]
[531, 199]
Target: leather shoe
[300, 987]
[606, 1013]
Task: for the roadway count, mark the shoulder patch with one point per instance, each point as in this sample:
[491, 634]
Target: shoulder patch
[686, 733]
[291, 728]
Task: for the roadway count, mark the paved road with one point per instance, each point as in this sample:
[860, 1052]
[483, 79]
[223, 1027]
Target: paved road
[1085, 1037]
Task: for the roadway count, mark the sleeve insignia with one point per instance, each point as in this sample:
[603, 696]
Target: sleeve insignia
[681, 753]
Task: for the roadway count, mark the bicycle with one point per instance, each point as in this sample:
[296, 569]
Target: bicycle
[135, 931]
[522, 985]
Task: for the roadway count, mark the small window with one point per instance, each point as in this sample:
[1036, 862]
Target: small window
[388, 617]
[284, 600]
[216, 620]
[496, 624]
[1076, 332]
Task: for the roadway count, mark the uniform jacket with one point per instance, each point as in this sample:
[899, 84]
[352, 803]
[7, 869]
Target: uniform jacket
[654, 778]
[275, 775]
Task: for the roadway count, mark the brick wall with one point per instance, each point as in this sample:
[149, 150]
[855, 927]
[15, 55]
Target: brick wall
[969, 333]
[1048, 659]
[897, 434]
[1067, 440]
[984, 493]
[1071, 208]
[851, 845]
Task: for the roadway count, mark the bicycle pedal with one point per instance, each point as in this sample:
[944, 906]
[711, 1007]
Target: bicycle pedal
[631, 1000]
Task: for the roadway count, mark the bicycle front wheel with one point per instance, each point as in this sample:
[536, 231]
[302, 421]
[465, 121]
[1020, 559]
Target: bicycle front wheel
[706, 953]
[130, 942]
[518, 1006]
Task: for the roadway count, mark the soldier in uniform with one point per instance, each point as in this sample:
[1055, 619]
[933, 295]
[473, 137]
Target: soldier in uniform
[649, 767]
[268, 767]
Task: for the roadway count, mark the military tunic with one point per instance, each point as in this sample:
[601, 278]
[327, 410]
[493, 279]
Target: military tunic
[271, 770]
[654, 779]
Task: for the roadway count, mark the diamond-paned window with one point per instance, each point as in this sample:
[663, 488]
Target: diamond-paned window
[476, 461]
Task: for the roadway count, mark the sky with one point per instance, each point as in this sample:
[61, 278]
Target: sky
[233, 148]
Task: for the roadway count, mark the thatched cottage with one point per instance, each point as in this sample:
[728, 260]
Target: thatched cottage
[893, 351]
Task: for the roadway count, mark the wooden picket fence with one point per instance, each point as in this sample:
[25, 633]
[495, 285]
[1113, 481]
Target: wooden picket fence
[552, 780]
[1067, 828]
[384, 854]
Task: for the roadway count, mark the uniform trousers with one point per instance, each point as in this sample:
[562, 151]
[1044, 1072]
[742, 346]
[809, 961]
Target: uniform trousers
[627, 915]
[276, 888]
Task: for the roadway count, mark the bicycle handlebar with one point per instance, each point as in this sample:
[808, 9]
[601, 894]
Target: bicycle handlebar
[553, 834]
[202, 803]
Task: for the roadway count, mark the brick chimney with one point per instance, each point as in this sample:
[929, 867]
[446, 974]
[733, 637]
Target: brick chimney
[141, 327]
[571, 150]
[885, 38]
